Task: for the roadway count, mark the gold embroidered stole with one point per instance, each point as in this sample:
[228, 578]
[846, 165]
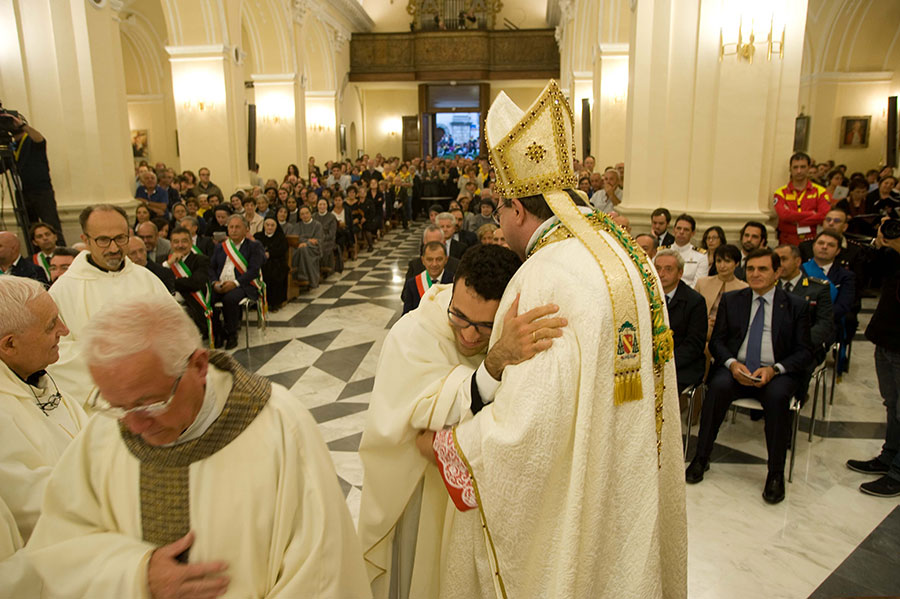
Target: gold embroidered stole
[164, 475]
[627, 362]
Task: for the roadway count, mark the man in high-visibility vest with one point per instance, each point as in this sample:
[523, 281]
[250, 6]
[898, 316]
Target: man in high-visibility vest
[801, 205]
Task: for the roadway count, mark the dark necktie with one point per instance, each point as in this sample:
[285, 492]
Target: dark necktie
[754, 340]
[788, 286]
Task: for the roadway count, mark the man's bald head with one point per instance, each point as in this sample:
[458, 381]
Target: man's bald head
[137, 251]
[9, 249]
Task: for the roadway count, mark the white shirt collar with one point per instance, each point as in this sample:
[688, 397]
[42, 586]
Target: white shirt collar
[795, 281]
[769, 296]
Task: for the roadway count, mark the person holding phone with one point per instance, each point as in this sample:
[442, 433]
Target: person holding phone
[761, 349]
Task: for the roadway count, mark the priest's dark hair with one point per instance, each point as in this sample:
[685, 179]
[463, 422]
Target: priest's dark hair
[538, 206]
[487, 269]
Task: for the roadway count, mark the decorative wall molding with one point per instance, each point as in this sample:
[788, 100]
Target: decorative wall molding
[566, 14]
[614, 49]
[849, 77]
[352, 10]
[144, 98]
[496, 54]
[204, 52]
[273, 78]
[298, 11]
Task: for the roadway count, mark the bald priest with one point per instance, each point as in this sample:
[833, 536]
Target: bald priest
[195, 479]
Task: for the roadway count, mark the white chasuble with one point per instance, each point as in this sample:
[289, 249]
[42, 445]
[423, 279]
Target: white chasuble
[421, 382]
[572, 498]
[79, 293]
[31, 443]
[268, 503]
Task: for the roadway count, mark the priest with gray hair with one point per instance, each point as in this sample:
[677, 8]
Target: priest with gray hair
[196, 478]
[37, 422]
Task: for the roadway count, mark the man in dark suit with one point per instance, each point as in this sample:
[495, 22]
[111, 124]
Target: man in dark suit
[447, 223]
[851, 255]
[137, 253]
[231, 280]
[845, 304]
[659, 224]
[761, 348]
[415, 266]
[754, 236]
[467, 238]
[12, 263]
[687, 318]
[815, 292]
[158, 248]
[193, 278]
[204, 244]
[436, 272]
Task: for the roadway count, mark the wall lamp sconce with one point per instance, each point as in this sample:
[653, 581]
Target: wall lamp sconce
[745, 45]
[198, 106]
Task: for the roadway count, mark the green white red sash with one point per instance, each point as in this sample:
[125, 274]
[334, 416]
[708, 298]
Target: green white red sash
[182, 271]
[240, 265]
[41, 260]
[196, 250]
[423, 282]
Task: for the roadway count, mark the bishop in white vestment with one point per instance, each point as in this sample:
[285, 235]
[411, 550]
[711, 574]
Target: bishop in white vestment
[570, 483]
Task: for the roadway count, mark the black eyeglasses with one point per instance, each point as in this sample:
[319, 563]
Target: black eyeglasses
[104, 241]
[461, 322]
[495, 215]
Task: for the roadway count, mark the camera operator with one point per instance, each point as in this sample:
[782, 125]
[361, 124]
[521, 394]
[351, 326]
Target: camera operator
[884, 332]
[30, 150]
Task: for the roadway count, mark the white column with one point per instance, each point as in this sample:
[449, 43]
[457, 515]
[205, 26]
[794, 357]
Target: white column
[706, 136]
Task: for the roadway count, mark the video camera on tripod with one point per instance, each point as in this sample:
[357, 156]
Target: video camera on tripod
[11, 122]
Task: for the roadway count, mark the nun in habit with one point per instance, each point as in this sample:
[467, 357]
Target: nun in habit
[307, 256]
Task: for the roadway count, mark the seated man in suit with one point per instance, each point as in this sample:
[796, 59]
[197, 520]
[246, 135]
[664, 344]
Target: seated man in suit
[12, 263]
[468, 238]
[851, 255]
[687, 318]
[415, 266]
[234, 272]
[191, 280]
[447, 223]
[158, 248]
[434, 258]
[845, 305]
[815, 292]
[137, 253]
[199, 243]
[761, 349]
[754, 235]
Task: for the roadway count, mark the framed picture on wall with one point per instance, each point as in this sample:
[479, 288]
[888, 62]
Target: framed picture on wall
[801, 133]
[139, 143]
[855, 131]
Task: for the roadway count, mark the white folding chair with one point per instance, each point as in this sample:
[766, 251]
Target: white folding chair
[751, 404]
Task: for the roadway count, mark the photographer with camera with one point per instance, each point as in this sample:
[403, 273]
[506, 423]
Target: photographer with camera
[884, 332]
[30, 151]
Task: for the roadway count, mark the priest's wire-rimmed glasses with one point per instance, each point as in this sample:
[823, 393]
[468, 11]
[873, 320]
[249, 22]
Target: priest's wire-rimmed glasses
[149, 410]
[461, 322]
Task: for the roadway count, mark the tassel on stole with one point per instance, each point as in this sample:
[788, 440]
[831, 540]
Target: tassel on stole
[627, 387]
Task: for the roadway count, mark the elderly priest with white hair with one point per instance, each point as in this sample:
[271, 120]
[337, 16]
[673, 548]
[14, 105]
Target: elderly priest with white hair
[36, 422]
[195, 479]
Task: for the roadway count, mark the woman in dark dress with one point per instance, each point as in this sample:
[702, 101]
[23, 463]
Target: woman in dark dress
[275, 269]
[373, 211]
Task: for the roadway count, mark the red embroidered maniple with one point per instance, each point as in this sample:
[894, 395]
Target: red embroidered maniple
[454, 472]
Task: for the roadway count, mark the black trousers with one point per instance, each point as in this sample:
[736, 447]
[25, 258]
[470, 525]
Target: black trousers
[775, 399]
[231, 311]
[194, 310]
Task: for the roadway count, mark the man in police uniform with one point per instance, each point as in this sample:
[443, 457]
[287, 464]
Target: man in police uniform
[801, 205]
[817, 294]
[696, 262]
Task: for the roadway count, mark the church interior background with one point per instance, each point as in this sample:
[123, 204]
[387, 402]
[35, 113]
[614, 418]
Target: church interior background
[660, 85]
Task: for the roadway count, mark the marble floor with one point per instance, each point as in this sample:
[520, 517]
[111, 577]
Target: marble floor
[324, 346]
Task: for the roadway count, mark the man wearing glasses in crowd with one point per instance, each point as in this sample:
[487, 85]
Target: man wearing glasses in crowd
[195, 479]
[101, 275]
[434, 372]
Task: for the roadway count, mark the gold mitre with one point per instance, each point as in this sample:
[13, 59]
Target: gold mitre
[532, 151]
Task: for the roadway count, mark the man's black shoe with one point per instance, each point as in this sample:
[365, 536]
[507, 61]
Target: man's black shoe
[694, 472]
[774, 490]
[219, 341]
[883, 487]
[231, 343]
[873, 466]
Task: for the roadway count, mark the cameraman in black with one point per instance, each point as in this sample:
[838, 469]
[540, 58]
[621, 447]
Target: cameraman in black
[884, 332]
[30, 151]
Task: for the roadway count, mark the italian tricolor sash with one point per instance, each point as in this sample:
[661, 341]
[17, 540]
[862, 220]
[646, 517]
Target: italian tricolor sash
[423, 283]
[240, 265]
[41, 260]
[196, 250]
[182, 271]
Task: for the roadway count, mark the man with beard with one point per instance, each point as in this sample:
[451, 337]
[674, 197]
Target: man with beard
[753, 237]
[97, 277]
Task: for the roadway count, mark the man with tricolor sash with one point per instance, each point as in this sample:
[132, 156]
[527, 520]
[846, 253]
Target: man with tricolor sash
[434, 257]
[235, 274]
[43, 238]
[191, 281]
